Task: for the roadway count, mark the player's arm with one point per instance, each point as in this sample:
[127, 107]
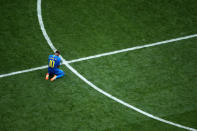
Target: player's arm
[59, 63]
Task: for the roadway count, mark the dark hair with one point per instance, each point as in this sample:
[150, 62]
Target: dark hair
[57, 52]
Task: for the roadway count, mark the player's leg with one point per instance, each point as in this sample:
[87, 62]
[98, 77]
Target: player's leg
[47, 76]
[58, 74]
[50, 72]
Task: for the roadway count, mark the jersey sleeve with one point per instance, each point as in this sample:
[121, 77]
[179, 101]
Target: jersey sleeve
[58, 61]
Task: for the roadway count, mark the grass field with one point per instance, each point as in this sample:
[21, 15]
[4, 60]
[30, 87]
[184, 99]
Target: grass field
[160, 80]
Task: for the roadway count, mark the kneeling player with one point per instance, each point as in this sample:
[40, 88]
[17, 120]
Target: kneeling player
[53, 67]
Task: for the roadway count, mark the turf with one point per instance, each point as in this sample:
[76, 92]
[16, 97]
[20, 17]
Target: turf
[22, 43]
[67, 104]
[149, 79]
[83, 28]
[160, 80]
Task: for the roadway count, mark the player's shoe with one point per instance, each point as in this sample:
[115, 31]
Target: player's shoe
[47, 76]
[54, 77]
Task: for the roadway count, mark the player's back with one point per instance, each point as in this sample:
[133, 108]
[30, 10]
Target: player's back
[53, 62]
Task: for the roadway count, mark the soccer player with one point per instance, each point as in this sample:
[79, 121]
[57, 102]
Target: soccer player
[53, 67]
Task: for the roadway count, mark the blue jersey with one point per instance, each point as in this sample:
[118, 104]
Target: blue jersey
[53, 62]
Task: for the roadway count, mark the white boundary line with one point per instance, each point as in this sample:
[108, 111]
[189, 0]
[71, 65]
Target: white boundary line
[95, 87]
[133, 48]
[23, 71]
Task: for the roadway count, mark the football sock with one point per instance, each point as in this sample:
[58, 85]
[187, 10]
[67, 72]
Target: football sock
[47, 76]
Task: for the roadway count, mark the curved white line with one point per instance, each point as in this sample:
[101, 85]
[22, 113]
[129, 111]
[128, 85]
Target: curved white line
[95, 87]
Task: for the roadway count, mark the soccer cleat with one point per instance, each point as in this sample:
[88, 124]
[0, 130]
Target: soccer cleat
[47, 76]
[52, 79]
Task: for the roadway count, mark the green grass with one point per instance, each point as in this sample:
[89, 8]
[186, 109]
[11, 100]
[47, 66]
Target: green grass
[83, 28]
[160, 80]
[67, 104]
[22, 43]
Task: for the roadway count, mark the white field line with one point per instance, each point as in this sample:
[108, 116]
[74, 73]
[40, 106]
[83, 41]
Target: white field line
[23, 71]
[98, 55]
[95, 87]
[94, 56]
[133, 48]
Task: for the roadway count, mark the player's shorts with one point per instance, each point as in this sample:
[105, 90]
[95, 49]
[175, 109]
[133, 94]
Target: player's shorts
[55, 71]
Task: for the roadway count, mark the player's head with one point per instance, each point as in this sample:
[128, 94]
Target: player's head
[57, 53]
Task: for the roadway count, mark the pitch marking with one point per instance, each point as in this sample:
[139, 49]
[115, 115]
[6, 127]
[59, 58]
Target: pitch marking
[23, 71]
[95, 87]
[99, 55]
[103, 54]
[133, 48]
